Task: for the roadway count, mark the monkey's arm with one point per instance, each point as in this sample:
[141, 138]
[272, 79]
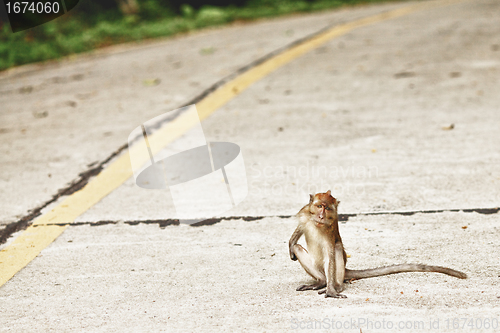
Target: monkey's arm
[293, 240]
[335, 272]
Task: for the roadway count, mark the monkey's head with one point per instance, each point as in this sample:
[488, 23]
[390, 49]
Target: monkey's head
[323, 209]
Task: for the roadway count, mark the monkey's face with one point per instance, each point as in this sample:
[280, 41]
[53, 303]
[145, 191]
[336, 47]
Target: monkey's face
[323, 208]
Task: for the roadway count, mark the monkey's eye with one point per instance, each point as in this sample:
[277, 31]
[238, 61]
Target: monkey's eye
[328, 208]
[319, 206]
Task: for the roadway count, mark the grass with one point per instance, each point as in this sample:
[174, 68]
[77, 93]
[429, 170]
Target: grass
[76, 33]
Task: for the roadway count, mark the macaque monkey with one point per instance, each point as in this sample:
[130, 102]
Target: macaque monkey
[325, 257]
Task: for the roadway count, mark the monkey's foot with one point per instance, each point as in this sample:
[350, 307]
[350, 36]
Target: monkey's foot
[314, 286]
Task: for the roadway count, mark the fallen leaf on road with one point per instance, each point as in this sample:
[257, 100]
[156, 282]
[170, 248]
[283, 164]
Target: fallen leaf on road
[448, 127]
[151, 82]
[403, 75]
[207, 50]
[40, 114]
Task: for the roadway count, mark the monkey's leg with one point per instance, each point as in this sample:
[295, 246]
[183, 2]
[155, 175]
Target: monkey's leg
[336, 272]
[307, 263]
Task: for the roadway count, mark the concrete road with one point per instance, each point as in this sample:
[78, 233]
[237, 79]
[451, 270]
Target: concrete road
[399, 118]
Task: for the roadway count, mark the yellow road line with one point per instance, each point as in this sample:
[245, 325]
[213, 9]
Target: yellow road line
[49, 226]
[221, 96]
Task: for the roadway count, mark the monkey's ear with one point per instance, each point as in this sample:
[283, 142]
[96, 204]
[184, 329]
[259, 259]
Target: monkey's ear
[329, 192]
[336, 203]
[311, 198]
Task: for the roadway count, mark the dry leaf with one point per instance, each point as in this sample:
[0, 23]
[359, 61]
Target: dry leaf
[40, 114]
[402, 75]
[207, 50]
[151, 82]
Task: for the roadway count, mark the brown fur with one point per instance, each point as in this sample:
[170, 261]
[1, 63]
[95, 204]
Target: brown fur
[325, 258]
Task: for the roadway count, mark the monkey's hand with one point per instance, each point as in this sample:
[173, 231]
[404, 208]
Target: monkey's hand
[332, 293]
[293, 242]
[292, 254]
[335, 295]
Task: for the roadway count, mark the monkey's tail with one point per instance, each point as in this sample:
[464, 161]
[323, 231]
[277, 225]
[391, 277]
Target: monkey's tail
[403, 268]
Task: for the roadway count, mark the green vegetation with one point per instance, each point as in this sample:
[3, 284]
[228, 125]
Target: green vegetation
[83, 30]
